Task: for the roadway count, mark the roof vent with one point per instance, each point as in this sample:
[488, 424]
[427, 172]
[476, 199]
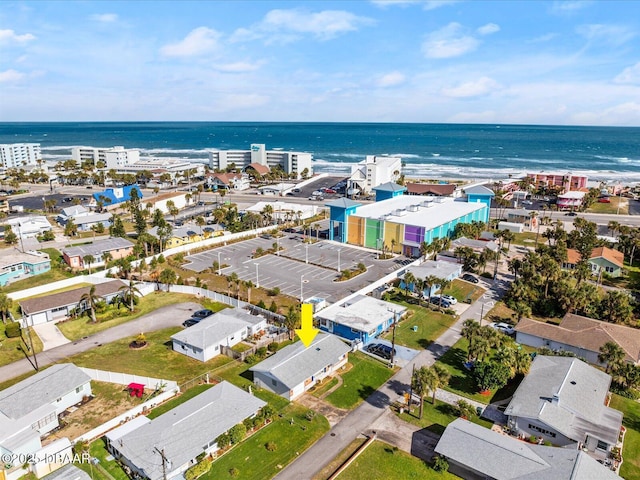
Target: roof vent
[572, 382]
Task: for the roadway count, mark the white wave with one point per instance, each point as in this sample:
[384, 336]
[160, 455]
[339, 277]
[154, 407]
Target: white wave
[174, 151]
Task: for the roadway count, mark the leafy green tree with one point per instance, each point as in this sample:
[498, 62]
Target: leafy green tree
[470, 331]
[6, 303]
[292, 321]
[409, 282]
[237, 433]
[615, 307]
[491, 375]
[117, 227]
[10, 238]
[70, 228]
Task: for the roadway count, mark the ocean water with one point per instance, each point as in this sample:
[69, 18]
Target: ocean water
[428, 150]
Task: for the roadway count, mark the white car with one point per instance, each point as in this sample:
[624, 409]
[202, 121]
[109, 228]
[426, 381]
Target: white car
[450, 299]
[503, 327]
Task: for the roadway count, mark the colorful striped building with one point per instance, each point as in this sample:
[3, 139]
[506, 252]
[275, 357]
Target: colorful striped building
[400, 223]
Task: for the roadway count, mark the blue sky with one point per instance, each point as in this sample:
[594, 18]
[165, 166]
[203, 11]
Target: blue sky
[563, 62]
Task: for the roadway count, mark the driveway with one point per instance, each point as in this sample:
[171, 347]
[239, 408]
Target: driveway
[169, 316]
[50, 335]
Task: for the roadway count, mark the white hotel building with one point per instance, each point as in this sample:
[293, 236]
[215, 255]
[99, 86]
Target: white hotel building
[19, 154]
[113, 157]
[291, 162]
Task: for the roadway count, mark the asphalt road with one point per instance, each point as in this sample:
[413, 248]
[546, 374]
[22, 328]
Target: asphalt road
[169, 316]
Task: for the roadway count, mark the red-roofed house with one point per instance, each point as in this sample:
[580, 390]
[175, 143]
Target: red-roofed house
[228, 181]
[437, 189]
[603, 259]
[254, 168]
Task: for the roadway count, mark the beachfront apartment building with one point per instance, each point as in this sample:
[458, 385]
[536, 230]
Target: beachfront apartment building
[113, 157]
[290, 162]
[400, 223]
[15, 155]
[372, 172]
[563, 182]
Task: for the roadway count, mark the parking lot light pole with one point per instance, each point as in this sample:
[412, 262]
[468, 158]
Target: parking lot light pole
[219, 264]
[339, 259]
[278, 246]
[393, 338]
[306, 254]
[257, 277]
[301, 287]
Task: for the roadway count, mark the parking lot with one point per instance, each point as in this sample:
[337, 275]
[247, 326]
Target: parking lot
[300, 269]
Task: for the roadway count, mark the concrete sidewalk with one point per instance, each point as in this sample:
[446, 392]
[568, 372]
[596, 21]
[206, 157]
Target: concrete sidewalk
[169, 316]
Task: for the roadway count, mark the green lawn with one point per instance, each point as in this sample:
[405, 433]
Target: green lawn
[462, 291]
[462, 382]
[255, 462]
[342, 457]
[630, 469]
[318, 391]
[82, 326]
[180, 399]
[156, 360]
[99, 451]
[43, 279]
[436, 418]
[9, 351]
[431, 325]
[381, 461]
[611, 207]
[360, 381]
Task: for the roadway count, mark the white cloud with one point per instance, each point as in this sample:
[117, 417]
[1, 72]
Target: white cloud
[199, 41]
[544, 38]
[629, 75]
[427, 4]
[9, 36]
[240, 67]
[105, 17]
[479, 87]
[323, 25]
[242, 100]
[391, 79]
[569, 6]
[488, 29]
[449, 41]
[9, 76]
[611, 34]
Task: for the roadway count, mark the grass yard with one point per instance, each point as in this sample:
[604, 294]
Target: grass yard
[611, 207]
[630, 469]
[9, 352]
[156, 360]
[500, 313]
[462, 382]
[82, 326]
[381, 461]
[45, 278]
[255, 462]
[462, 291]
[431, 325]
[342, 457]
[527, 239]
[360, 381]
[180, 399]
[436, 418]
[320, 390]
[105, 469]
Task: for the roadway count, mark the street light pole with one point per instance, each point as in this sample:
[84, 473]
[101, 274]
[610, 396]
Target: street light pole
[257, 277]
[301, 288]
[481, 313]
[393, 338]
[306, 254]
[339, 259]
[219, 265]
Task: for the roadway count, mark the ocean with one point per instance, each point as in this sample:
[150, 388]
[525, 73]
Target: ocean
[436, 151]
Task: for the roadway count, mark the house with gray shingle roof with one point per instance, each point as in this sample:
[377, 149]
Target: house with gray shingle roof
[564, 401]
[185, 432]
[226, 328]
[30, 408]
[477, 452]
[296, 368]
[117, 247]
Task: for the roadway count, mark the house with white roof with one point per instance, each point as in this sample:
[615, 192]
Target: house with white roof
[439, 269]
[226, 328]
[285, 211]
[361, 318]
[168, 445]
[116, 247]
[29, 409]
[295, 369]
[374, 170]
[29, 227]
[15, 264]
[473, 451]
[564, 401]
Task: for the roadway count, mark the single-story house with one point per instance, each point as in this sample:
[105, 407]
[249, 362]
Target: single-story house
[473, 451]
[439, 269]
[112, 436]
[256, 168]
[117, 247]
[478, 246]
[29, 227]
[522, 216]
[580, 335]
[227, 181]
[171, 443]
[362, 318]
[68, 472]
[602, 260]
[226, 328]
[279, 189]
[58, 306]
[437, 189]
[563, 400]
[73, 212]
[295, 369]
[188, 233]
[15, 264]
[159, 202]
[285, 211]
[30, 408]
[114, 196]
[52, 459]
[512, 227]
[87, 222]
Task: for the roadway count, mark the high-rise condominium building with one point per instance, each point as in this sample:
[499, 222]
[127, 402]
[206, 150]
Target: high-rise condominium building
[19, 154]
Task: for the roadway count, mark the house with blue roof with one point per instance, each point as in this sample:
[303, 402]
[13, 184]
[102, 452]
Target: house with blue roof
[113, 196]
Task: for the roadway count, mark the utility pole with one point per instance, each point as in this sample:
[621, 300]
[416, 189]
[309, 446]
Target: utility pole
[393, 338]
[164, 462]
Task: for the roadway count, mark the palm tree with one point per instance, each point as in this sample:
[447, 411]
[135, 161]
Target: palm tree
[5, 306]
[168, 277]
[88, 260]
[444, 284]
[129, 292]
[291, 321]
[91, 300]
[409, 280]
[200, 221]
[470, 331]
[249, 285]
[438, 377]
[429, 283]
[613, 355]
[107, 257]
[420, 385]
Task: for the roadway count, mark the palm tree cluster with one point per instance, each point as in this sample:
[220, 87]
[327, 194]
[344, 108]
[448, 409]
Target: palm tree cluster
[625, 374]
[421, 285]
[429, 379]
[543, 288]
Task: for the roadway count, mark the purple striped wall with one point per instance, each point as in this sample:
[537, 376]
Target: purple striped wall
[413, 234]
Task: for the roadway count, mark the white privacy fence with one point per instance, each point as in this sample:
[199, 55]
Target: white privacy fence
[127, 378]
[50, 287]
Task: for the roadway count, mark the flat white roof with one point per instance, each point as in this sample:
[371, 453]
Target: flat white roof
[573, 195]
[363, 313]
[441, 211]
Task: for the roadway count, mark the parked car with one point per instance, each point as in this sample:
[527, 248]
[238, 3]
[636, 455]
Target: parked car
[450, 299]
[527, 202]
[441, 302]
[469, 278]
[330, 191]
[604, 200]
[202, 313]
[571, 214]
[503, 327]
[380, 350]
[191, 322]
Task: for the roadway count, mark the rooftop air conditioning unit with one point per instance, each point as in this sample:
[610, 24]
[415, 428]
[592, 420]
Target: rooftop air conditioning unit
[413, 208]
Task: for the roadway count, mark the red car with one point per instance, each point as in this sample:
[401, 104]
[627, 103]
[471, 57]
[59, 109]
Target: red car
[604, 200]
[329, 190]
